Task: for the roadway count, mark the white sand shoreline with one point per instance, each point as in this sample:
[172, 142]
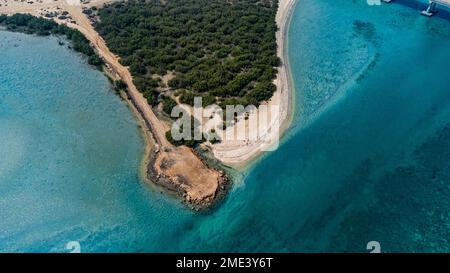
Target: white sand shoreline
[240, 154]
[198, 184]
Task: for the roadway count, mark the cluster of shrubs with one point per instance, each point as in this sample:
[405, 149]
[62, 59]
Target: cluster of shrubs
[34, 25]
[221, 50]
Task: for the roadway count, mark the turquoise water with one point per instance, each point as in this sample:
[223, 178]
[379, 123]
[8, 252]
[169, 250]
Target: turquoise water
[367, 157]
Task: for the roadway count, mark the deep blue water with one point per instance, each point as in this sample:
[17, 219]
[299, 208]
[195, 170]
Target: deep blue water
[367, 157]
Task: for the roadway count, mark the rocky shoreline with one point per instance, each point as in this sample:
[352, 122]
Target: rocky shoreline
[178, 169]
[176, 186]
[152, 175]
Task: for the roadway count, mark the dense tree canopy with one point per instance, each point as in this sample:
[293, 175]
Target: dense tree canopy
[222, 50]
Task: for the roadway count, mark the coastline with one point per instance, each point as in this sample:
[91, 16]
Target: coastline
[241, 154]
[178, 169]
[181, 170]
[289, 83]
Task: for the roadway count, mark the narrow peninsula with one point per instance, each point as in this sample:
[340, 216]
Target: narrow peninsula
[160, 54]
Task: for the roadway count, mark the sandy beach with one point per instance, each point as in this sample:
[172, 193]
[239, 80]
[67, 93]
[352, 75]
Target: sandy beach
[240, 153]
[179, 169]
